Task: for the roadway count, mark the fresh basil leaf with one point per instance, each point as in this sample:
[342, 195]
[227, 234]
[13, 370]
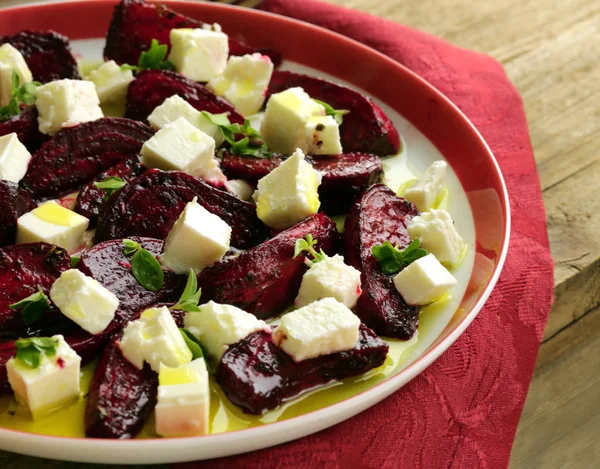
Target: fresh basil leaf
[193, 344]
[147, 270]
[191, 295]
[31, 351]
[74, 261]
[217, 119]
[24, 94]
[155, 57]
[337, 114]
[130, 247]
[392, 260]
[110, 185]
[34, 306]
[307, 244]
[243, 139]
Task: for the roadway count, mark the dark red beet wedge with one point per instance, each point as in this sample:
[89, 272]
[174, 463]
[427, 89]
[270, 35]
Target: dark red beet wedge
[379, 216]
[47, 54]
[265, 279]
[136, 22]
[151, 203]
[76, 155]
[25, 125]
[91, 199]
[344, 176]
[258, 376]
[366, 129]
[152, 87]
[14, 202]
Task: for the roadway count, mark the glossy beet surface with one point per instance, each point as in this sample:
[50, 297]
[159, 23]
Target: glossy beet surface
[152, 87]
[76, 155]
[151, 203]
[136, 22]
[25, 125]
[265, 279]
[14, 202]
[48, 54]
[365, 129]
[379, 216]
[258, 376]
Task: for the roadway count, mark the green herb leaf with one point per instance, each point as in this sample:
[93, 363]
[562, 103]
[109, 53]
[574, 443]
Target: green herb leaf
[24, 94]
[243, 139]
[307, 244]
[337, 114]
[110, 185]
[74, 261]
[393, 260]
[34, 306]
[30, 351]
[144, 266]
[191, 295]
[130, 247]
[152, 59]
[193, 344]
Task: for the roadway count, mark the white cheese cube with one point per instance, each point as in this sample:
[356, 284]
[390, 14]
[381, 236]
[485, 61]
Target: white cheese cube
[198, 239]
[330, 278]
[320, 328]
[111, 82]
[183, 405]
[322, 136]
[11, 60]
[288, 194]
[154, 338]
[239, 188]
[438, 236]
[14, 158]
[84, 300]
[54, 224]
[244, 82]
[65, 103]
[218, 326]
[424, 281]
[429, 189]
[181, 147]
[53, 383]
[285, 118]
[175, 107]
[199, 54]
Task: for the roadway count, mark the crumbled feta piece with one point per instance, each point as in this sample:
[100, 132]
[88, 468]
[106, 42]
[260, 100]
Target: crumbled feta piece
[111, 82]
[199, 54]
[181, 147]
[424, 281]
[11, 60]
[323, 327]
[244, 82]
[84, 300]
[429, 189]
[183, 405]
[322, 136]
[239, 188]
[154, 338]
[438, 236]
[14, 158]
[53, 383]
[285, 119]
[288, 194]
[218, 326]
[65, 103]
[54, 224]
[198, 239]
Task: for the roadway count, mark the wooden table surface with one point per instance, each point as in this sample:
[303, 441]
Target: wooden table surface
[551, 52]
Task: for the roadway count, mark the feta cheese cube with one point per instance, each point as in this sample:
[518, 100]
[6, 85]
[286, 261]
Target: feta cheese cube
[218, 326]
[330, 278]
[239, 188]
[181, 147]
[429, 189]
[14, 158]
[288, 194]
[53, 383]
[199, 54]
[198, 239]
[54, 224]
[322, 136]
[183, 405]
[320, 328]
[111, 82]
[154, 338]
[175, 107]
[65, 103]
[438, 236]
[285, 119]
[84, 300]
[11, 60]
[244, 82]
[424, 281]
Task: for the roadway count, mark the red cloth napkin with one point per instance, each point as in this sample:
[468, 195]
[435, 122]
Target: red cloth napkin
[463, 411]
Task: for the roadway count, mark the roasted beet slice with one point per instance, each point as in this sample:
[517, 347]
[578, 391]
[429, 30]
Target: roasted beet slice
[91, 199]
[258, 376]
[47, 54]
[379, 216]
[76, 155]
[151, 203]
[365, 129]
[135, 23]
[25, 125]
[152, 87]
[14, 202]
[265, 279]
[344, 176]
